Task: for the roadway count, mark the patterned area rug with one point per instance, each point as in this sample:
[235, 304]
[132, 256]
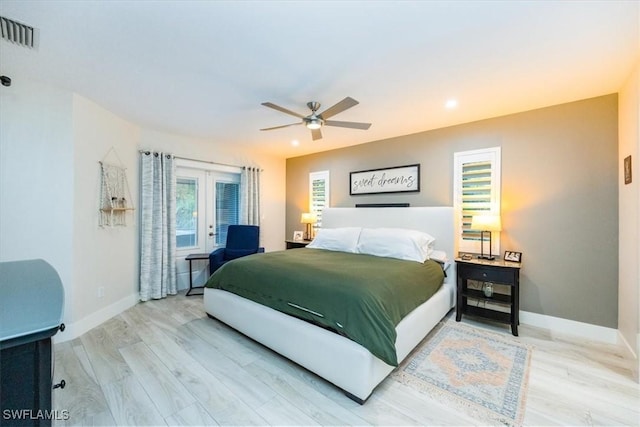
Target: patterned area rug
[484, 374]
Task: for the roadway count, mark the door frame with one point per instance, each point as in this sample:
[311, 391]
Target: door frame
[207, 174]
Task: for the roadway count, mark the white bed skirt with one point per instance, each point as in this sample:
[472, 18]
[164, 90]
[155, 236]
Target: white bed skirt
[337, 359]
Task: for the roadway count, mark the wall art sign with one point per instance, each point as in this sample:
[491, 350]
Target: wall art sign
[398, 179]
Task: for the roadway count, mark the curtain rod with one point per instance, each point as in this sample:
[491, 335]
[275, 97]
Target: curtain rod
[201, 161]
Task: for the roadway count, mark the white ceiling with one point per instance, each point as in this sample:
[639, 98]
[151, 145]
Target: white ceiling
[202, 68]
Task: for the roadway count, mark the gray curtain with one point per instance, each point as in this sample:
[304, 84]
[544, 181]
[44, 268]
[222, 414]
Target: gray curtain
[250, 190]
[157, 226]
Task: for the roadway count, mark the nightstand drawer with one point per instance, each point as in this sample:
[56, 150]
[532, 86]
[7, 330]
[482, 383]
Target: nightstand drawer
[488, 274]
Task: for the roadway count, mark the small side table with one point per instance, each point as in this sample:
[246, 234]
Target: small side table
[499, 272]
[191, 258]
[293, 244]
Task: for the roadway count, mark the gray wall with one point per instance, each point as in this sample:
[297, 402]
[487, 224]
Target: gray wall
[559, 196]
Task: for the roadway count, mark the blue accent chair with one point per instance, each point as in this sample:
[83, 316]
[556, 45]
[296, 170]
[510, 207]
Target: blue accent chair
[242, 240]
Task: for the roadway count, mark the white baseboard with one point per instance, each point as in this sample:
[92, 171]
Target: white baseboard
[630, 350]
[632, 354]
[83, 325]
[571, 327]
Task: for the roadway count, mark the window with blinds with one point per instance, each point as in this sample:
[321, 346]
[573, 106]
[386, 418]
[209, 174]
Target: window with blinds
[227, 208]
[476, 192]
[318, 194]
[186, 212]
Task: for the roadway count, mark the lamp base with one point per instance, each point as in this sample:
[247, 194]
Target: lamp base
[489, 257]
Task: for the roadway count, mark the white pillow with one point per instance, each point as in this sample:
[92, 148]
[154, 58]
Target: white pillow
[439, 256]
[343, 239]
[401, 243]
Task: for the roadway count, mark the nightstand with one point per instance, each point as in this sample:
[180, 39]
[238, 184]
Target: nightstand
[293, 244]
[476, 302]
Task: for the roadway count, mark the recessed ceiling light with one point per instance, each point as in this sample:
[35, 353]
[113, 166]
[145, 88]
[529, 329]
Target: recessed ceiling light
[451, 104]
[295, 142]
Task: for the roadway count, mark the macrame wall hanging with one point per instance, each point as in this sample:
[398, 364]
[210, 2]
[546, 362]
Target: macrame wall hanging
[115, 197]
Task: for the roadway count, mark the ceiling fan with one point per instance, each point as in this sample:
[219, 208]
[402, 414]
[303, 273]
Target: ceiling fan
[315, 120]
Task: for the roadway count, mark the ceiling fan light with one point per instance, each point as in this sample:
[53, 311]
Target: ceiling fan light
[314, 124]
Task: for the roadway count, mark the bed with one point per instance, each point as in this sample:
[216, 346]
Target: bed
[340, 360]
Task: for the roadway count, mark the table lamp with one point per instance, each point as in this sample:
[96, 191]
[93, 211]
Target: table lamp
[486, 224]
[309, 218]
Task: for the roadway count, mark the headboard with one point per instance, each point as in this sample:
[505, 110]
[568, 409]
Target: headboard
[437, 221]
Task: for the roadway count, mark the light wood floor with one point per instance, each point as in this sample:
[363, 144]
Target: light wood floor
[166, 363]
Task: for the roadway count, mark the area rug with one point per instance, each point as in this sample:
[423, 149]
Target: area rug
[484, 374]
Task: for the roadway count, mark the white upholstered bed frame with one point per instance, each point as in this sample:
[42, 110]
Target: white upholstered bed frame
[333, 357]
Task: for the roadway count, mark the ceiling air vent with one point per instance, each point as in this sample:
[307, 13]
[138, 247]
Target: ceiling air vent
[17, 33]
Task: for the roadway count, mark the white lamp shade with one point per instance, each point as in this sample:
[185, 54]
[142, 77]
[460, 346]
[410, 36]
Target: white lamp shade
[486, 223]
[309, 218]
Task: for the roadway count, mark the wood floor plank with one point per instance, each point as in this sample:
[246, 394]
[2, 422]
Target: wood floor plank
[154, 314]
[130, 405]
[179, 308]
[82, 356]
[251, 390]
[564, 411]
[374, 412]
[589, 399]
[147, 332]
[377, 412]
[104, 357]
[120, 332]
[314, 404]
[536, 418]
[279, 412]
[220, 402]
[82, 398]
[425, 410]
[226, 340]
[186, 315]
[192, 415]
[103, 418]
[313, 381]
[168, 394]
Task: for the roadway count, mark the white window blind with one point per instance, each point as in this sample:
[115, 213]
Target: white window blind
[227, 208]
[186, 212]
[318, 194]
[476, 192]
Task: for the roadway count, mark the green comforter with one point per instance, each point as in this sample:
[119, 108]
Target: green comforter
[362, 297]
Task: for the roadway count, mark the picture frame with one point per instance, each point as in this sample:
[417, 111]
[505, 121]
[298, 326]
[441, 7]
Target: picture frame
[397, 179]
[627, 170]
[298, 236]
[512, 256]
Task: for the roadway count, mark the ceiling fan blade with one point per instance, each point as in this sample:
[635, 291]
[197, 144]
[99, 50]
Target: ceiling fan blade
[283, 126]
[282, 109]
[338, 108]
[352, 125]
[316, 134]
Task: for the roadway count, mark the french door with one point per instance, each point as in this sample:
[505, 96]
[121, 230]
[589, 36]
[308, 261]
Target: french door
[207, 202]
